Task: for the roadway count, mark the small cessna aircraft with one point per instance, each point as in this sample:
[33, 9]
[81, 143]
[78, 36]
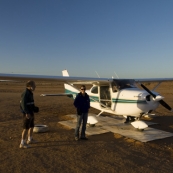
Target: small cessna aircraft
[118, 96]
[114, 96]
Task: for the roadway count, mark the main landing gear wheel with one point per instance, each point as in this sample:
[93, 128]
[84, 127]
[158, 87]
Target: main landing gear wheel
[92, 125]
[140, 125]
[92, 121]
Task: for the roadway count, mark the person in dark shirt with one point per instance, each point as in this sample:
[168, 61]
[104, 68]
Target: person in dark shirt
[28, 108]
[82, 104]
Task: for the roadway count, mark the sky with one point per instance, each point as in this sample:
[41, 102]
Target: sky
[90, 38]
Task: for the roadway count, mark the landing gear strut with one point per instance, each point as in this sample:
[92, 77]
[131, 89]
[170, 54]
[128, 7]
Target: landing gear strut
[140, 125]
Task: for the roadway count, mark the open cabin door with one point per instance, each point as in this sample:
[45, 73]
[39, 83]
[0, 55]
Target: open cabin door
[105, 96]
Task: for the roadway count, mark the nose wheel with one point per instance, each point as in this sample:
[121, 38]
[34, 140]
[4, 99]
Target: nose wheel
[129, 119]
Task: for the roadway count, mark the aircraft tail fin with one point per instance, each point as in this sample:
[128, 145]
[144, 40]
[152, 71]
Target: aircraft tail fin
[68, 87]
[65, 73]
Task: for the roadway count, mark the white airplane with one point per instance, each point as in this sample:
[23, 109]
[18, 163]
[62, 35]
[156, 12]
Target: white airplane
[117, 96]
[114, 96]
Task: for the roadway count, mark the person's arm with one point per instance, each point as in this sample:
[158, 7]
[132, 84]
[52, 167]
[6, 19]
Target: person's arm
[24, 101]
[76, 101]
[88, 102]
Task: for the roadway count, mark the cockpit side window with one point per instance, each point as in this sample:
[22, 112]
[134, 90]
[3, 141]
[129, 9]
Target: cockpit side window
[122, 84]
[94, 90]
[114, 88]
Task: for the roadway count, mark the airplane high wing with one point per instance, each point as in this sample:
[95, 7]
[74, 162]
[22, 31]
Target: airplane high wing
[115, 96]
[80, 80]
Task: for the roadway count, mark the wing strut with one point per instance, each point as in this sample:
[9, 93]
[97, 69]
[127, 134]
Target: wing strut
[99, 114]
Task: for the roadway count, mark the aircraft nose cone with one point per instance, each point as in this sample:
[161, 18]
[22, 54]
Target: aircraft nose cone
[158, 98]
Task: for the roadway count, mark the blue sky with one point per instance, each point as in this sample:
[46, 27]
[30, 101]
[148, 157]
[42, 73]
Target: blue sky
[132, 38]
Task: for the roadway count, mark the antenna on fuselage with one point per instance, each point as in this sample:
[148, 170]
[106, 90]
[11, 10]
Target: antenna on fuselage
[116, 75]
[97, 74]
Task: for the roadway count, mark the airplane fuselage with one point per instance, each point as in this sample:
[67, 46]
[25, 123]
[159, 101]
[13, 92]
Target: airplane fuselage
[127, 101]
[132, 101]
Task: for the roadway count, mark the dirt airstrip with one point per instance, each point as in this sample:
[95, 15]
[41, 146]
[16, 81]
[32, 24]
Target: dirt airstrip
[56, 150]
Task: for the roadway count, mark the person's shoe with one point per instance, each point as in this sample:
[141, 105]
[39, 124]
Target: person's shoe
[31, 142]
[76, 138]
[84, 138]
[24, 146]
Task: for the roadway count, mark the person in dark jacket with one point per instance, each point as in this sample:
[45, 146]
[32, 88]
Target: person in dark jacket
[28, 108]
[82, 104]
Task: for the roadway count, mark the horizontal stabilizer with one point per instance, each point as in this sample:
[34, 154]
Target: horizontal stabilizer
[8, 81]
[63, 94]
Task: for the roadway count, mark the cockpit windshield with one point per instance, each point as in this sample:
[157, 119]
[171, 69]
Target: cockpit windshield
[122, 84]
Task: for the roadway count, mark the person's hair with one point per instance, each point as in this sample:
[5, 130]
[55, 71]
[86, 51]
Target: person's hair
[30, 83]
[83, 86]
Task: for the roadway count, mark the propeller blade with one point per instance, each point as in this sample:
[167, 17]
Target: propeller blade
[164, 104]
[145, 88]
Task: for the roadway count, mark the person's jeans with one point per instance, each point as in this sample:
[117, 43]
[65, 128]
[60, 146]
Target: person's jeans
[81, 118]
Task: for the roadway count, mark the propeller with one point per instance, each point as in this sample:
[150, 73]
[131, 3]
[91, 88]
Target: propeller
[163, 103]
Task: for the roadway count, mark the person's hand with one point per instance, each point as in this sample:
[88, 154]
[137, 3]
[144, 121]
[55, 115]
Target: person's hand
[28, 116]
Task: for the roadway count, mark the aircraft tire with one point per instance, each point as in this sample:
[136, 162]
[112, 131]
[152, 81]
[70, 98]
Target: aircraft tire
[92, 125]
[40, 128]
[141, 130]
